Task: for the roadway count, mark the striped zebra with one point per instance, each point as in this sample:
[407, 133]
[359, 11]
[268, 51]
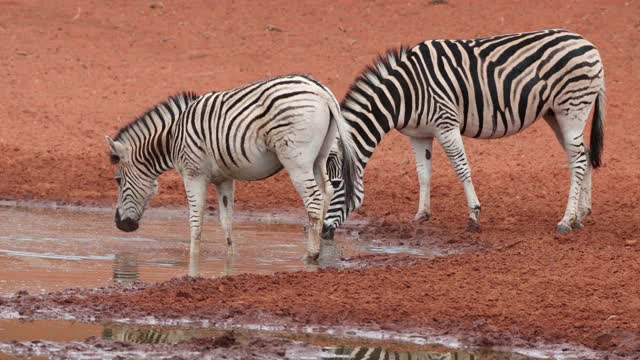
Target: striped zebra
[248, 133]
[483, 88]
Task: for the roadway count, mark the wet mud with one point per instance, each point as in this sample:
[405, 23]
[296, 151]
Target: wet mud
[401, 299]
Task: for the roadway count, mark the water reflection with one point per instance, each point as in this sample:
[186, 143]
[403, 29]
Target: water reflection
[378, 353]
[331, 254]
[152, 335]
[125, 268]
[169, 335]
[38, 245]
[12, 330]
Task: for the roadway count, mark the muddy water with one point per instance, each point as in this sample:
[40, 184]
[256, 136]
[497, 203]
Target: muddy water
[51, 337]
[46, 249]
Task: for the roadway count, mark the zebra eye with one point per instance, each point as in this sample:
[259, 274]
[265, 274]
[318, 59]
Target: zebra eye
[119, 181]
[336, 183]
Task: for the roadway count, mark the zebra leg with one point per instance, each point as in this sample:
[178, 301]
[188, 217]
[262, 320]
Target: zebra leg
[322, 179]
[194, 265]
[229, 263]
[451, 142]
[225, 192]
[422, 149]
[196, 188]
[584, 203]
[571, 126]
[321, 172]
[584, 200]
[324, 183]
[305, 183]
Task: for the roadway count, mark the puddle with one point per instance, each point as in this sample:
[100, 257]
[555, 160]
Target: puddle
[46, 249]
[46, 337]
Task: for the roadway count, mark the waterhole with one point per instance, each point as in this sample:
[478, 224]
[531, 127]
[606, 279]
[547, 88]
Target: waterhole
[47, 249]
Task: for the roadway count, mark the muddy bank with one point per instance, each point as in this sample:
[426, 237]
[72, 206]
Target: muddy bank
[493, 304]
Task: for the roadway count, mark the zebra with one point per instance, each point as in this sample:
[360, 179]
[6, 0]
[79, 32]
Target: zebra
[483, 88]
[247, 133]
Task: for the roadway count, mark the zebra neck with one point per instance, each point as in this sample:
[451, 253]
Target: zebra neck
[381, 99]
[149, 141]
[150, 136]
[368, 127]
[153, 153]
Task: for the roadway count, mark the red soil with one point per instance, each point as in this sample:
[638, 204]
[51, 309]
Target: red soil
[74, 74]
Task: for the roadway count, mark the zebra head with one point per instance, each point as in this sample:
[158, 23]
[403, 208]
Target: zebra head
[141, 151]
[337, 211]
[334, 165]
[136, 186]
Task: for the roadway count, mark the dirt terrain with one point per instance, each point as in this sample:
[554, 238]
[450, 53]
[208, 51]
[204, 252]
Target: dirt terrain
[74, 72]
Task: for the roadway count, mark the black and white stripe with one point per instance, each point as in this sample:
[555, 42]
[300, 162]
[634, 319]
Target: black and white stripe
[484, 88]
[142, 150]
[248, 133]
[378, 353]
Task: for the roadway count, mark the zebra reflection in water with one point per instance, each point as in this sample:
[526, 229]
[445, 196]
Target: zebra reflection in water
[155, 335]
[378, 353]
[125, 268]
[361, 353]
[147, 335]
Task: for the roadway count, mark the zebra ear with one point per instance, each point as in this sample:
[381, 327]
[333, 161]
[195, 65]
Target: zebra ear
[117, 150]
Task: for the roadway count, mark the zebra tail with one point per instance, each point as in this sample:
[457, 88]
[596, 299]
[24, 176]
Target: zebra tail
[349, 159]
[597, 130]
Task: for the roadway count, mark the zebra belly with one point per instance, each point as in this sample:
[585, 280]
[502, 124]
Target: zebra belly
[260, 166]
[419, 132]
[514, 125]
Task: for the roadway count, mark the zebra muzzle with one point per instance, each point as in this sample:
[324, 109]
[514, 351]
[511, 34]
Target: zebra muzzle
[127, 224]
[327, 232]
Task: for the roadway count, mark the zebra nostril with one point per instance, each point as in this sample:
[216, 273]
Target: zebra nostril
[127, 224]
[327, 232]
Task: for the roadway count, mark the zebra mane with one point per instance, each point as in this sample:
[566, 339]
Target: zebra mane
[184, 97]
[373, 75]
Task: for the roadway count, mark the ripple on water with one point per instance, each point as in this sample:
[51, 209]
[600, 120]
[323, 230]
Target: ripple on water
[48, 248]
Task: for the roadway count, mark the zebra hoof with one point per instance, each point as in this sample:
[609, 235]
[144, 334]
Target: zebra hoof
[312, 257]
[421, 217]
[577, 225]
[584, 213]
[473, 226]
[563, 229]
[327, 232]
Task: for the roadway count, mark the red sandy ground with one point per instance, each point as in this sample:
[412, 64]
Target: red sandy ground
[75, 72]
